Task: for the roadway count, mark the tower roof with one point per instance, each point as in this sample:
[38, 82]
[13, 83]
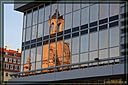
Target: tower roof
[56, 14]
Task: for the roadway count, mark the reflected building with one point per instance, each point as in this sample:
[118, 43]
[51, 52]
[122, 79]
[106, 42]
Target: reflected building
[73, 42]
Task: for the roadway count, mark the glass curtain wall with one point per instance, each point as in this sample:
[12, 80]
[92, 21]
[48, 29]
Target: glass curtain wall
[88, 31]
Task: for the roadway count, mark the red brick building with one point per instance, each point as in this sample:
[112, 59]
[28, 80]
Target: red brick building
[11, 61]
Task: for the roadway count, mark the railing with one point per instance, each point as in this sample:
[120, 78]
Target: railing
[92, 63]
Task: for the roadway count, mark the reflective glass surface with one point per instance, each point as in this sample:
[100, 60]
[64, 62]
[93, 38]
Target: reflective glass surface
[93, 41]
[84, 43]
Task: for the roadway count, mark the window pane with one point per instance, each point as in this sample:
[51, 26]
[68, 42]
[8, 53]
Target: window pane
[52, 55]
[94, 12]
[103, 54]
[46, 28]
[104, 10]
[76, 18]
[84, 4]
[33, 54]
[83, 57]
[114, 36]
[93, 41]
[61, 8]
[114, 52]
[22, 57]
[29, 19]
[68, 21]
[26, 55]
[34, 32]
[41, 15]
[75, 45]
[45, 56]
[6, 59]
[28, 33]
[24, 20]
[39, 53]
[40, 30]
[33, 66]
[84, 43]
[47, 12]
[76, 6]
[103, 39]
[68, 8]
[38, 65]
[114, 9]
[84, 16]
[75, 58]
[35, 13]
[54, 7]
[67, 51]
[23, 35]
[122, 9]
[93, 55]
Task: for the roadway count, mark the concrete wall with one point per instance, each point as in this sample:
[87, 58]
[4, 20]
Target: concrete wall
[78, 73]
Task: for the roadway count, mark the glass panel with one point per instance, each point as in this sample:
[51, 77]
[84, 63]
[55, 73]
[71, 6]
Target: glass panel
[68, 21]
[40, 30]
[93, 41]
[38, 65]
[22, 57]
[41, 15]
[61, 8]
[45, 56]
[59, 49]
[54, 7]
[84, 4]
[76, 6]
[29, 19]
[47, 12]
[23, 35]
[114, 9]
[68, 8]
[103, 39]
[46, 28]
[33, 66]
[75, 45]
[76, 18]
[34, 32]
[104, 11]
[39, 53]
[53, 60]
[93, 55]
[83, 57]
[122, 9]
[35, 13]
[75, 59]
[28, 33]
[103, 54]
[67, 51]
[26, 55]
[114, 52]
[94, 12]
[84, 43]
[84, 16]
[24, 20]
[114, 36]
[33, 54]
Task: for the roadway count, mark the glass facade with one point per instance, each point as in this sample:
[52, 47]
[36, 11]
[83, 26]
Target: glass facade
[90, 31]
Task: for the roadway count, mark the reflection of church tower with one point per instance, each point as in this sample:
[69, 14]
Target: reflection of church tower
[57, 21]
[27, 65]
[54, 56]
